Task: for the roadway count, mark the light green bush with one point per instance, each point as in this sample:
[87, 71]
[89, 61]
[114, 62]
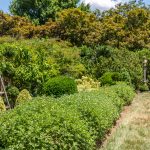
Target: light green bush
[44, 124]
[124, 91]
[143, 87]
[2, 105]
[23, 96]
[87, 84]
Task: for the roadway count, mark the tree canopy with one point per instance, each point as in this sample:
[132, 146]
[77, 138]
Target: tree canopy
[40, 10]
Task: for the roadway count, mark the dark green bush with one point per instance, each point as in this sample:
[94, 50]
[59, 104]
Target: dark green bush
[110, 78]
[12, 92]
[100, 60]
[58, 86]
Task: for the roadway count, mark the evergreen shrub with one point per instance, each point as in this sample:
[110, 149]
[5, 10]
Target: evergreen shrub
[60, 85]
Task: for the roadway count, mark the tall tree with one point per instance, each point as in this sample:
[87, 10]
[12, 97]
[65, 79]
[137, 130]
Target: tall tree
[40, 10]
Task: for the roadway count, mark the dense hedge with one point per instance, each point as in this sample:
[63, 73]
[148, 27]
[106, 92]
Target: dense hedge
[60, 85]
[69, 122]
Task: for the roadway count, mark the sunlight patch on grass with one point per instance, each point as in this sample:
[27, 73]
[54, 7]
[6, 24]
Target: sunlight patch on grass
[133, 132]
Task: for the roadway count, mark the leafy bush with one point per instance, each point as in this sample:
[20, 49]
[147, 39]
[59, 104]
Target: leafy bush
[100, 60]
[110, 78]
[106, 79]
[97, 109]
[2, 105]
[12, 92]
[124, 91]
[117, 101]
[44, 124]
[143, 88]
[87, 84]
[58, 86]
[69, 122]
[23, 96]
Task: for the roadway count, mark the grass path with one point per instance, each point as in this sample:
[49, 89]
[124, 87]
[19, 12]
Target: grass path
[132, 131]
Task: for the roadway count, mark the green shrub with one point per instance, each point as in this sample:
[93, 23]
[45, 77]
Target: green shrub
[143, 87]
[106, 79]
[123, 76]
[69, 122]
[124, 91]
[2, 105]
[117, 101]
[12, 92]
[110, 78]
[44, 124]
[27, 64]
[87, 84]
[23, 96]
[58, 86]
[97, 109]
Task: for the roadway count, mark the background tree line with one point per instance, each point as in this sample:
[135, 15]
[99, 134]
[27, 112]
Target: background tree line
[127, 25]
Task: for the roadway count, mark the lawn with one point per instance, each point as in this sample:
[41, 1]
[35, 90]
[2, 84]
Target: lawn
[133, 129]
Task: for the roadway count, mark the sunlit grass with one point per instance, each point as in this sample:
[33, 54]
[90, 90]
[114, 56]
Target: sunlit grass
[133, 132]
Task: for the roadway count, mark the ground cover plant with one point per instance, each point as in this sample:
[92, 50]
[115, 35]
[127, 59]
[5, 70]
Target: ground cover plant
[69, 122]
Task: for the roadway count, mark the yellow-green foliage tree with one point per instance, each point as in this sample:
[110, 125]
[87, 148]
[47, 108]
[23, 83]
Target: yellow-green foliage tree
[2, 105]
[5, 23]
[127, 26]
[79, 27]
[23, 96]
[15, 26]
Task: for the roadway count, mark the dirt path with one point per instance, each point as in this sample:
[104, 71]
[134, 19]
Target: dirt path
[132, 131]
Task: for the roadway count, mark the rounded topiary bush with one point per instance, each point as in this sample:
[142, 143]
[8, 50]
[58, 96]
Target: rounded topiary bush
[23, 96]
[2, 105]
[58, 86]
